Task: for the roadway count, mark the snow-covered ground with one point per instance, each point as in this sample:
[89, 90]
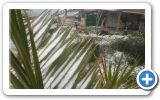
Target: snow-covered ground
[102, 39]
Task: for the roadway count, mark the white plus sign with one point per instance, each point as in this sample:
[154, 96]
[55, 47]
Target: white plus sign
[147, 79]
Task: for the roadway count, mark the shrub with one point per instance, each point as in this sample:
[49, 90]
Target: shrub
[133, 46]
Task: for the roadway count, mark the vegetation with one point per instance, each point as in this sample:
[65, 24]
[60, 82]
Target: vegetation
[134, 47]
[53, 59]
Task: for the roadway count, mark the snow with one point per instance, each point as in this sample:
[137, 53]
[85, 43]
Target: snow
[55, 75]
[40, 33]
[73, 13]
[71, 82]
[83, 83]
[64, 76]
[64, 72]
[12, 47]
[103, 39]
[53, 57]
[87, 81]
[49, 43]
[50, 47]
[72, 70]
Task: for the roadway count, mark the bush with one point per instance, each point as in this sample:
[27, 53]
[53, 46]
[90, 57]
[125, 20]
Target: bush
[133, 46]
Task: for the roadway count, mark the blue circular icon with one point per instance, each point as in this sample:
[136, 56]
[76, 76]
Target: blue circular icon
[147, 79]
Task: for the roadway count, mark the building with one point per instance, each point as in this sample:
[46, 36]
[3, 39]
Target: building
[111, 21]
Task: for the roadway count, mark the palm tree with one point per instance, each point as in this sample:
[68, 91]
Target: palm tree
[49, 56]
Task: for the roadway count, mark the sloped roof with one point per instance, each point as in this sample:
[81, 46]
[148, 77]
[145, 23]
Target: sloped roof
[137, 11]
